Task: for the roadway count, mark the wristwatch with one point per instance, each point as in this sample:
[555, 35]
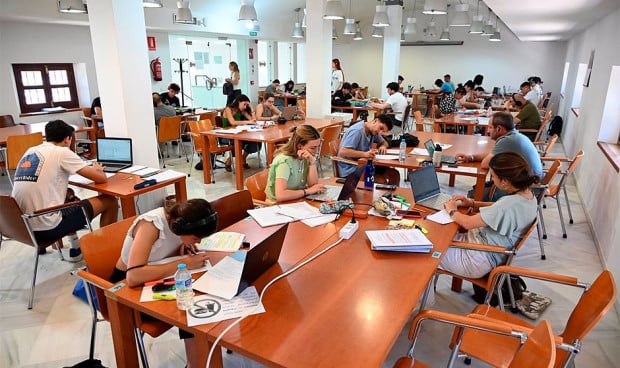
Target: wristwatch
[451, 213]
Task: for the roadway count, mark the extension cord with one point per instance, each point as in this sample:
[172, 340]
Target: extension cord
[349, 229]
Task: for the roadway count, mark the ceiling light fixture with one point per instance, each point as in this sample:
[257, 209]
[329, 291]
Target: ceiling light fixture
[445, 35]
[377, 32]
[488, 28]
[461, 16]
[476, 24]
[410, 27]
[152, 4]
[496, 36]
[431, 31]
[358, 32]
[435, 7]
[334, 32]
[72, 6]
[349, 23]
[304, 22]
[381, 18]
[297, 31]
[333, 10]
[247, 12]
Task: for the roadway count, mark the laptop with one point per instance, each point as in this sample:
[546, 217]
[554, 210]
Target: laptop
[430, 147]
[336, 192]
[262, 256]
[289, 112]
[425, 188]
[114, 153]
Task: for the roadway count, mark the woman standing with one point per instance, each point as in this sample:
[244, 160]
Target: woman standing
[337, 76]
[234, 80]
[240, 112]
[293, 172]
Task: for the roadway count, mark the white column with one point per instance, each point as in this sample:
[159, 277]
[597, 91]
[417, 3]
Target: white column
[391, 48]
[318, 61]
[118, 35]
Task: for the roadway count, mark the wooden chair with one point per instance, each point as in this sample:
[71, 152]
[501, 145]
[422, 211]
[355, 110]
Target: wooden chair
[328, 135]
[334, 146]
[538, 350]
[595, 301]
[545, 147]
[301, 104]
[421, 124]
[406, 128]
[256, 184]
[16, 146]
[6, 121]
[483, 281]
[101, 251]
[555, 187]
[540, 132]
[232, 208]
[215, 148]
[16, 225]
[169, 130]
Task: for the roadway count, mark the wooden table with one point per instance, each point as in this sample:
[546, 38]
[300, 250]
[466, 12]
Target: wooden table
[269, 135]
[356, 110]
[477, 145]
[428, 98]
[121, 185]
[469, 121]
[22, 129]
[321, 315]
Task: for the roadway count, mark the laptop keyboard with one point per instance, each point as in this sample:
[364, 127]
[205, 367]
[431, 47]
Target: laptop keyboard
[436, 202]
[332, 193]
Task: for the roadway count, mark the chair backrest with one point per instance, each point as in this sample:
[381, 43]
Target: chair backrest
[17, 145]
[101, 251]
[329, 134]
[11, 223]
[592, 306]
[406, 113]
[542, 129]
[554, 169]
[538, 351]
[256, 184]
[196, 127]
[549, 145]
[218, 121]
[522, 240]
[232, 208]
[169, 129]
[334, 146]
[574, 163]
[301, 103]
[6, 121]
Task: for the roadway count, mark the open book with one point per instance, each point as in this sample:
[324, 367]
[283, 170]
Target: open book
[406, 240]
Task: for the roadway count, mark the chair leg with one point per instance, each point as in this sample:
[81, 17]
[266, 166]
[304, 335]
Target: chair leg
[557, 201]
[93, 333]
[34, 276]
[570, 213]
[542, 223]
[543, 256]
[141, 349]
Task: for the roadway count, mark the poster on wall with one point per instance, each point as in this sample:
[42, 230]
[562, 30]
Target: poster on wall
[586, 81]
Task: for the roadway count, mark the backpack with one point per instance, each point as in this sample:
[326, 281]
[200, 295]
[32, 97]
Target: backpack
[555, 126]
[518, 287]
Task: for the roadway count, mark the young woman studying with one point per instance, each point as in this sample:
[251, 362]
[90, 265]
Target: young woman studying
[239, 112]
[266, 110]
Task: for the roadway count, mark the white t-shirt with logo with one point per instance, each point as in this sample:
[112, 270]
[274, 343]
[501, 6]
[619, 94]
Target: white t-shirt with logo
[398, 103]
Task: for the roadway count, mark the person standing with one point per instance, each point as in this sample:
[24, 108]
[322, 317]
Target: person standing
[337, 76]
[170, 97]
[401, 88]
[235, 76]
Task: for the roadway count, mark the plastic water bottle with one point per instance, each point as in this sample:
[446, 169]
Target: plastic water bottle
[402, 150]
[437, 156]
[183, 285]
[489, 112]
[369, 178]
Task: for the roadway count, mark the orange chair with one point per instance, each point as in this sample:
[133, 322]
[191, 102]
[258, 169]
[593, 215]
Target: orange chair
[421, 124]
[538, 350]
[328, 135]
[544, 147]
[16, 146]
[256, 184]
[215, 148]
[334, 146]
[596, 300]
[169, 130]
[101, 253]
[232, 208]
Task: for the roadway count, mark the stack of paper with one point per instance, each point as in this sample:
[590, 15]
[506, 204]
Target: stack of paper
[405, 240]
[281, 214]
[222, 241]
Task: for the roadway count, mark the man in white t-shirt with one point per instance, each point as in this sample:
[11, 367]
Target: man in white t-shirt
[529, 93]
[41, 181]
[397, 102]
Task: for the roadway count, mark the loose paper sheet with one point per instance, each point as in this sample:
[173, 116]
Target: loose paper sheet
[208, 309]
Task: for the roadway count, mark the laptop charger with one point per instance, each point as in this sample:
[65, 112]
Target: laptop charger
[349, 229]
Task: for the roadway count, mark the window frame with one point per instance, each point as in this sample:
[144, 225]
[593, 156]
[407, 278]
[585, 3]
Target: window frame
[46, 86]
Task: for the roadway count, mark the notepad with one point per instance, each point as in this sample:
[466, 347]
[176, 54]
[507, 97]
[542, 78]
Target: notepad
[412, 241]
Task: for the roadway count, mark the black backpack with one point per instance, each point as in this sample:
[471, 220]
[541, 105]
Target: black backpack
[555, 126]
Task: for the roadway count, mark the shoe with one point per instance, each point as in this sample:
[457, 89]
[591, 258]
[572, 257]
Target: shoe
[42, 251]
[228, 167]
[75, 255]
[198, 166]
[175, 143]
[246, 166]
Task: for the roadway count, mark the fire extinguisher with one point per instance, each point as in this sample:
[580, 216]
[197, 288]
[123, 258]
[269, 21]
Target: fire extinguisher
[156, 69]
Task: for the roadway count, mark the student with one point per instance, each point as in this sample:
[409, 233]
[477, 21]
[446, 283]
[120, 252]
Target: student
[235, 77]
[528, 116]
[357, 92]
[266, 110]
[342, 96]
[239, 112]
[442, 87]
[337, 76]
[273, 87]
[293, 173]
[170, 97]
[289, 86]
[160, 234]
[160, 110]
[401, 88]
[41, 181]
[358, 139]
[448, 79]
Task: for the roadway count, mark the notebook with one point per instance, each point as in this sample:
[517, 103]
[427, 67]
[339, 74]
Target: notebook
[114, 153]
[425, 188]
[430, 147]
[337, 193]
[289, 112]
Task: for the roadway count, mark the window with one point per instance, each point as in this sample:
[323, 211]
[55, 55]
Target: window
[45, 85]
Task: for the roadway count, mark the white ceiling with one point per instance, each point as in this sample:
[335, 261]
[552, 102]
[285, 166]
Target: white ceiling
[529, 20]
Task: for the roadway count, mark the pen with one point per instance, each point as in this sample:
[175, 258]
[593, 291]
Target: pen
[423, 230]
[189, 249]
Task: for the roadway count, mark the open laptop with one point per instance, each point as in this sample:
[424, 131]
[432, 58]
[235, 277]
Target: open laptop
[430, 147]
[425, 188]
[289, 112]
[114, 153]
[262, 256]
[336, 192]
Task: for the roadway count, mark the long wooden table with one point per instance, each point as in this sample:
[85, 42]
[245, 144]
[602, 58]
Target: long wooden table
[348, 299]
[269, 136]
[22, 129]
[356, 110]
[469, 121]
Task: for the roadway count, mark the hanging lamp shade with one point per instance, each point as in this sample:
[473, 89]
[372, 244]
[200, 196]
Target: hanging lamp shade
[72, 6]
[496, 37]
[349, 26]
[476, 25]
[461, 16]
[411, 28]
[247, 11]
[488, 29]
[431, 31]
[358, 33]
[297, 31]
[435, 7]
[152, 4]
[445, 35]
[334, 32]
[381, 18]
[184, 15]
[333, 10]
[304, 22]
[377, 32]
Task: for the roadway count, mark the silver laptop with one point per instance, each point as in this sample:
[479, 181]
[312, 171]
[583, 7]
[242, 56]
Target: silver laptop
[289, 112]
[114, 153]
[425, 187]
[337, 193]
[430, 147]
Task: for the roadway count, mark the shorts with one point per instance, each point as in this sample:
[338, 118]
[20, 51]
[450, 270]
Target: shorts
[72, 221]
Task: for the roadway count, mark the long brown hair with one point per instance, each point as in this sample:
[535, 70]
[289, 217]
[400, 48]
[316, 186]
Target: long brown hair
[302, 134]
[513, 167]
[234, 65]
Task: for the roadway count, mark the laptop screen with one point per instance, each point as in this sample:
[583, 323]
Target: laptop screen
[424, 183]
[350, 184]
[114, 150]
[430, 147]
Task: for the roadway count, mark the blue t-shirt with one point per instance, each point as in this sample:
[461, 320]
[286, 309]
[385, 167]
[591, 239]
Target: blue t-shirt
[513, 141]
[355, 138]
[446, 88]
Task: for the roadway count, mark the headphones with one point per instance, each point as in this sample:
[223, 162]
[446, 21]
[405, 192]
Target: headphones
[181, 227]
[518, 103]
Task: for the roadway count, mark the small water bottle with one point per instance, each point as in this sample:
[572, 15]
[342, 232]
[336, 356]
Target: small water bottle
[369, 178]
[402, 150]
[489, 112]
[183, 285]
[437, 156]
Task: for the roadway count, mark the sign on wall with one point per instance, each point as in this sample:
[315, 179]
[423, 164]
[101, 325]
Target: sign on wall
[150, 41]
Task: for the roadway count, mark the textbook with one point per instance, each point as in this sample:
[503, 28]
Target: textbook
[404, 240]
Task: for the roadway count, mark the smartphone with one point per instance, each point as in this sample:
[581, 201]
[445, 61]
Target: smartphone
[409, 213]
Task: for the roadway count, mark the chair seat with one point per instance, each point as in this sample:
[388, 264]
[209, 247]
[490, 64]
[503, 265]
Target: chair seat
[406, 362]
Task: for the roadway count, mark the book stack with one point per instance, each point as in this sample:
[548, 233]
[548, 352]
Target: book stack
[406, 240]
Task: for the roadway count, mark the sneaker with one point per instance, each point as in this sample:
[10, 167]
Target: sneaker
[198, 166]
[75, 255]
[42, 251]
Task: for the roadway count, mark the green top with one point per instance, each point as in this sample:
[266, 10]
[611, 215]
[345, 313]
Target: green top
[529, 116]
[293, 170]
[238, 117]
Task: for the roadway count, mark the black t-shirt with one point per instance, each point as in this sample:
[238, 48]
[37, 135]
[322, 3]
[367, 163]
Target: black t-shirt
[340, 99]
[167, 100]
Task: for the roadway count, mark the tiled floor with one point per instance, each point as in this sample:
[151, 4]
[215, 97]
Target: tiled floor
[56, 331]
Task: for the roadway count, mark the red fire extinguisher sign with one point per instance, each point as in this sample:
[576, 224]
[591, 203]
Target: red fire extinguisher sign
[150, 41]
[251, 53]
